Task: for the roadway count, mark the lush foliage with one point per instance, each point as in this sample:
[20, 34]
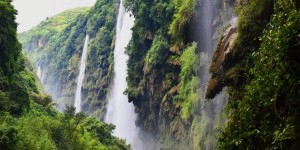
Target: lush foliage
[156, 54]
[38, 42]
[185, 12]
[41, 130]
[15, 82]
[162, 78]
[48, 30]
[56, 47]
[9, 46]
[27, 119]
[151, 21]
[189, 82]
[266, 114]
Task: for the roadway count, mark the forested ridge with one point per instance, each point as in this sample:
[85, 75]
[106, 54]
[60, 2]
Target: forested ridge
[260, 71]
[163, 72]
[201, 74]
[28, 118]
[263, 112]
[55, 46]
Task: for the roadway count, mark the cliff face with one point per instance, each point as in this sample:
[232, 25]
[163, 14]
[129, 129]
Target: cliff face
[262, 102]
[177, 97]
[27, 117]
[220, 60]
[56, 46]
[163, 70]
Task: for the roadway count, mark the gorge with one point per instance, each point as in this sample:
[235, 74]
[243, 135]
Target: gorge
[155, 74]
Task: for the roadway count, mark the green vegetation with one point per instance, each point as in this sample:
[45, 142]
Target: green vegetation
[185, 12]
[265, 114]
[9, 45]
[49, 29]
[163, 66]
[263, 108]
[56, 46]
[27, 119]
[189, 81]
[39, 42]
[38, 129]
[15, 81]
[156, 55]
[162, 72]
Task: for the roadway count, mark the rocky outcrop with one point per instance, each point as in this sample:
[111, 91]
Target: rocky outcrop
[221, 57]
[41, 44]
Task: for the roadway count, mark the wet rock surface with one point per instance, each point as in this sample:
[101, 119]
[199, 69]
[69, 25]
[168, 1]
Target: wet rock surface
[221, 57]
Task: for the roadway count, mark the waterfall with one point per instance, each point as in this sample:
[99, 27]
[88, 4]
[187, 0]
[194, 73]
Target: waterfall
[211, 19]
[119, 111]
[39, 72]
[77, 103]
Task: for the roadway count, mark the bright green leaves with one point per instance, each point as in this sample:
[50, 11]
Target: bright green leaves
[157, 53]
[184, 14]
[68, 131]
[56, 45]
[267, 112]
[9, 46]
[15, 82]
[40, 127]
[189, 81]
[188, 61]
[162, 77]
[190, 96]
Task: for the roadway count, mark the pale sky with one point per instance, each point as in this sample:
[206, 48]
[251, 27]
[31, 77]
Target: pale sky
[32, 12]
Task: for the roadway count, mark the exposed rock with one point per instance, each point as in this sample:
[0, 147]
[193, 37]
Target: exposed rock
[71, 76]
[40, 44]
[224, 47]
[220, 58]
[175, 49]
[149, 35]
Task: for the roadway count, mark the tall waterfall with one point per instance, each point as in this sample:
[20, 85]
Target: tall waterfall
[119, 111]
[212, 19]
[77, 103]
[39, 72]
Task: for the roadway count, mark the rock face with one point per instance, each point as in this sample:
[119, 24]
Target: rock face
[221, 57]
[177, 122]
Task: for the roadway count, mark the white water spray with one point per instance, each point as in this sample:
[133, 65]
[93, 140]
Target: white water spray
[77, 103]
[210, 112]
[119, 111]
[39, 72]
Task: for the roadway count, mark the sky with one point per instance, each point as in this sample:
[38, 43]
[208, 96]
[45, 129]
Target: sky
[32, 12]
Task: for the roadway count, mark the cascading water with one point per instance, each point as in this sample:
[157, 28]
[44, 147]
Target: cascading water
[39, 72]
[119, 111]
[211, 19]
[77, 103]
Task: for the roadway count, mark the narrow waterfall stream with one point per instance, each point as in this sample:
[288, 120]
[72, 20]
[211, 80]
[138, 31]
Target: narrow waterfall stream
[77, 103]
[39, 72]
[119, 111]
[211, 110]
[206, 43]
